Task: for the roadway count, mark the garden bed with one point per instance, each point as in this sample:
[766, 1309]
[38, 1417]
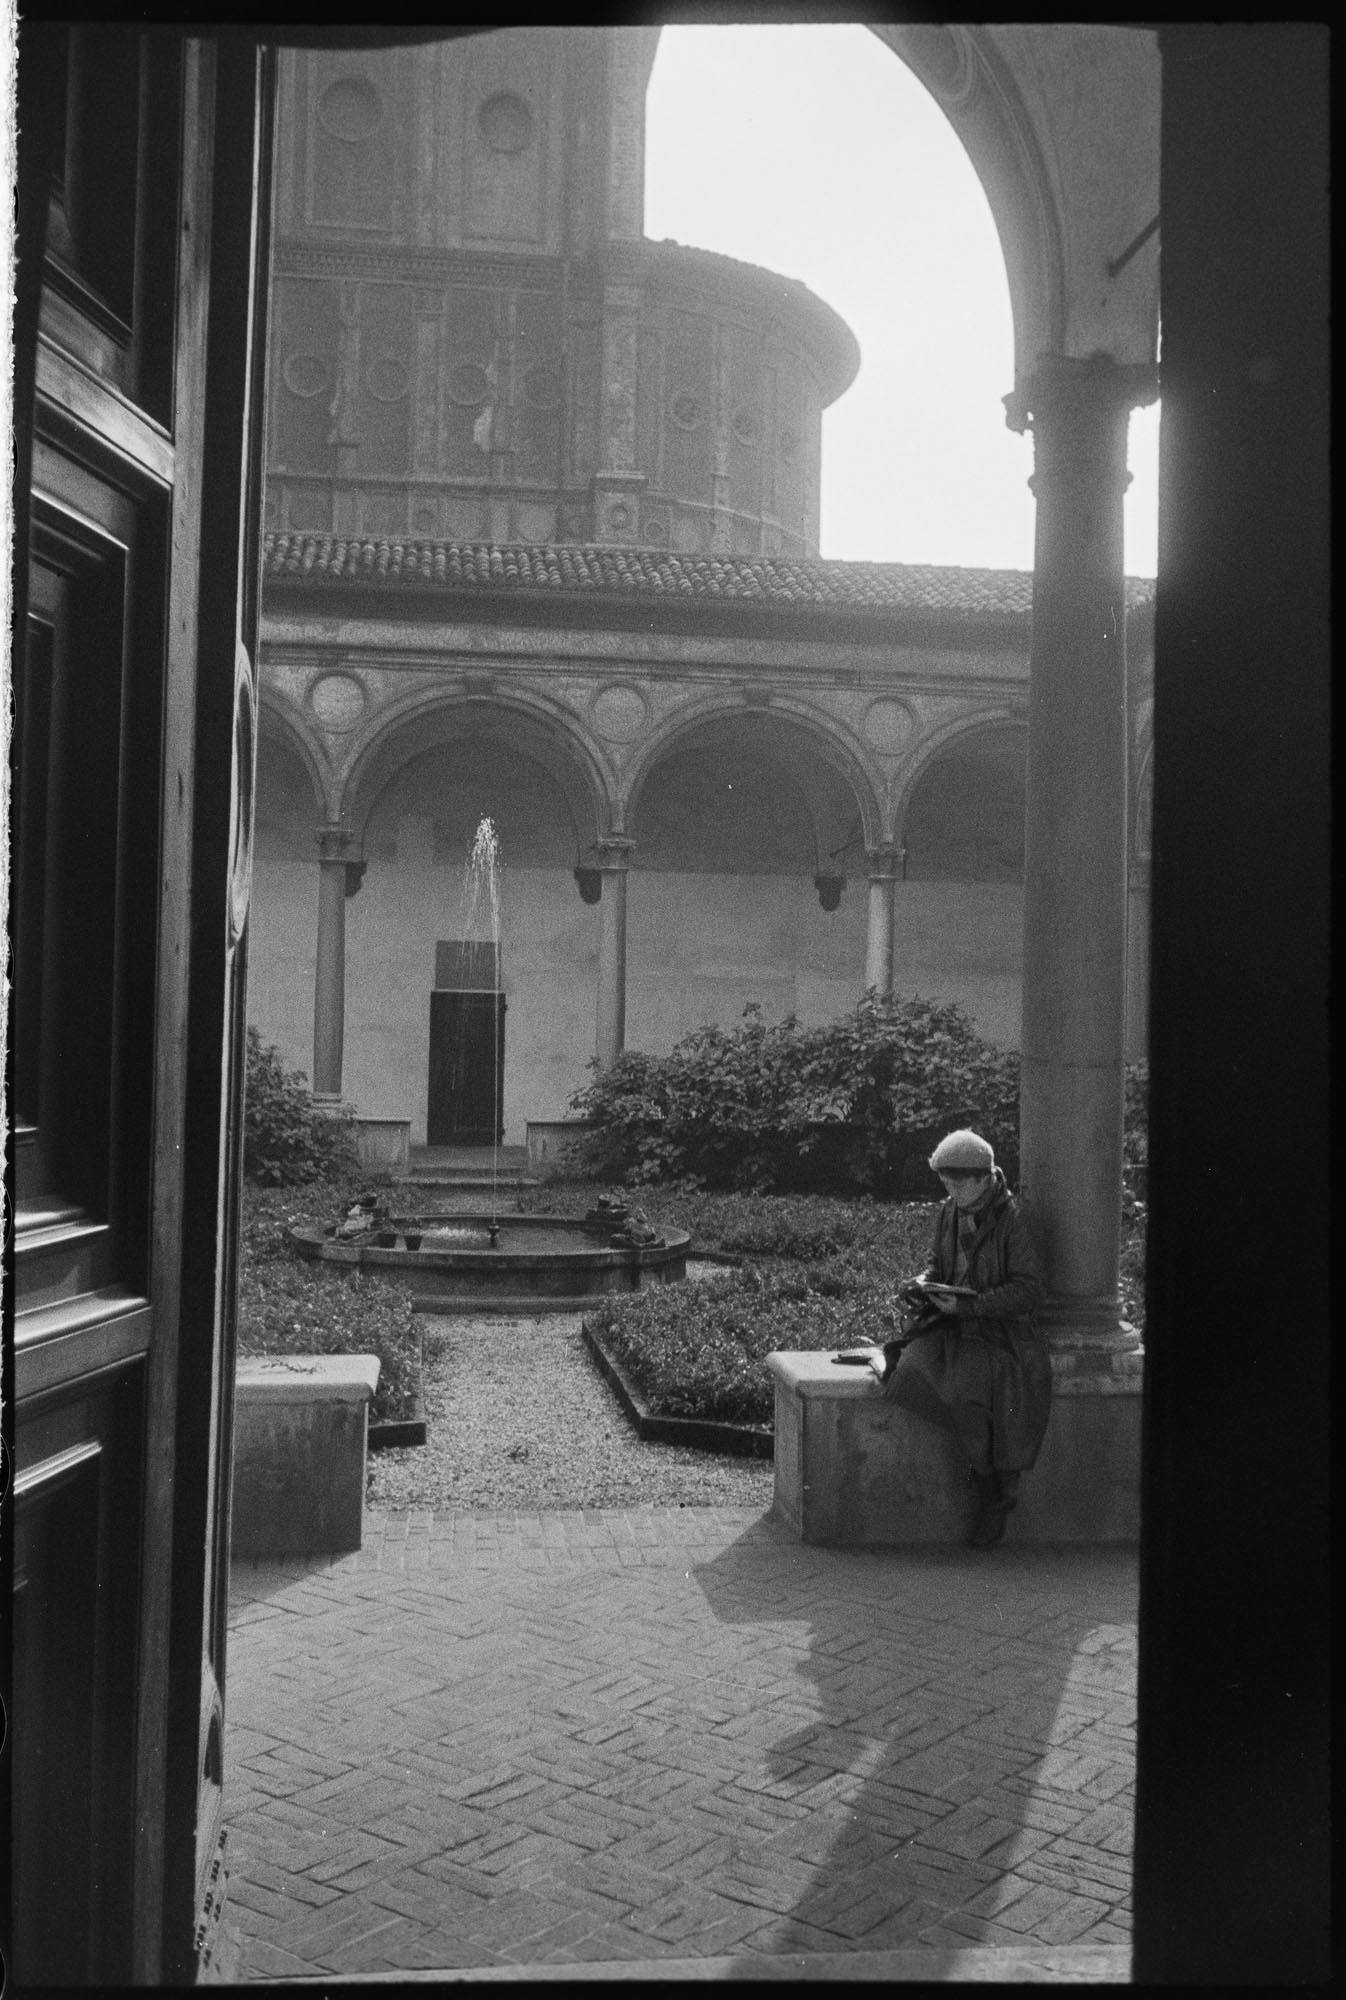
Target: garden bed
[812, 1273]
[698, 1434]
[397, 1433]
[700, 1352]
[287, 1307]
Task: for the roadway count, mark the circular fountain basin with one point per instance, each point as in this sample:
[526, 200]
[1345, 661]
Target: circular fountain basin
[533, 1256]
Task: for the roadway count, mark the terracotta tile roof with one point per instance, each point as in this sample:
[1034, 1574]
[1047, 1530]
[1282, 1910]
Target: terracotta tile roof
[566, 569]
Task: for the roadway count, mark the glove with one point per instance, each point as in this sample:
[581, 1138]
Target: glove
[892, 1354]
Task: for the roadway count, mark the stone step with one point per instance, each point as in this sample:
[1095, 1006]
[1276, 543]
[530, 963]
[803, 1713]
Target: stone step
[434, 1178]
[467, 1156]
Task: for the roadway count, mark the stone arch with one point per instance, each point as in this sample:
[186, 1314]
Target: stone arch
[793, 737]
[539, 733]
[961, 814]
[281, 728]
[737, 811]
[963, 72]
[292, 793]
[1072, 184]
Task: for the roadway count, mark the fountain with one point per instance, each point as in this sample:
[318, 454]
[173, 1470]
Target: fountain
[467, 1259]
[470, 1259]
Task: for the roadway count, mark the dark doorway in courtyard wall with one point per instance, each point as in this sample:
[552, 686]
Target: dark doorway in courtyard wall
[465, 1106]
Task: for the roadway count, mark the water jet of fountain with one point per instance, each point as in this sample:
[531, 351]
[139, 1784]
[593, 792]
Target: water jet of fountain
[482, 879]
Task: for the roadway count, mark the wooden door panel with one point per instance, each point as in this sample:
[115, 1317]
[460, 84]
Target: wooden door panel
[112, 210]
[466, 1086]
[76, 1588]
[147, 158]
[144, 163]
[88, 695]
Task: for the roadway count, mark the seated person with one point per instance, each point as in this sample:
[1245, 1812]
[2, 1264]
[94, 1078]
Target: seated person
[975, 1360]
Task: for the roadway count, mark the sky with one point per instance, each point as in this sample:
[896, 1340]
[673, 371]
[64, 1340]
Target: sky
[814, 151]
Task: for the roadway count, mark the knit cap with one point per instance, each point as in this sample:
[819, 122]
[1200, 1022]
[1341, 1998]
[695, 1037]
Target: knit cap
[963, 1149]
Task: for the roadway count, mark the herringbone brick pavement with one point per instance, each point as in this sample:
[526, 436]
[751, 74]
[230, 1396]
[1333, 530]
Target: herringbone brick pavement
[673, 1734]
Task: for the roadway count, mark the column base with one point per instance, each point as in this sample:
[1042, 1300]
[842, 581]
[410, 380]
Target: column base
[1088, 1336]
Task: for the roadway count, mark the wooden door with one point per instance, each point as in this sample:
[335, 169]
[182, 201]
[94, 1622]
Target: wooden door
[143, 195]
[465, 1105]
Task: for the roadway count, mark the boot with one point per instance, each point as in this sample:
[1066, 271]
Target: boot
[997, 1493]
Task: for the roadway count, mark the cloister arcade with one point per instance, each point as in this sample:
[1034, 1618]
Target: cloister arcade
[671, 850]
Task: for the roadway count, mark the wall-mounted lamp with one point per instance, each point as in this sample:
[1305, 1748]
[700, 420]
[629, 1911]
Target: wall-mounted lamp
[829, 889]
[590, 884]
[355, 875]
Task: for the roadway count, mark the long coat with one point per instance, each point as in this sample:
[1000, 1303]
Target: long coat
[987, 1366]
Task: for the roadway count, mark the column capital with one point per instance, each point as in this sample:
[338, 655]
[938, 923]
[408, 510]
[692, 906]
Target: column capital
[885, 860]
[1066, 387]
[334, 843]
[614, 852]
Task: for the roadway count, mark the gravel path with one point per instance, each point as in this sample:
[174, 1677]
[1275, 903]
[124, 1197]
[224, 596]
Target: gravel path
[520, 1418]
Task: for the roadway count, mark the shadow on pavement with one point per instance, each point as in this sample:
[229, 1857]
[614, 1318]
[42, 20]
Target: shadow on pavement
[960, 1751]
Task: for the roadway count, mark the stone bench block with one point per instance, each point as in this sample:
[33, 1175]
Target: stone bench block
[383, 1144]
[301, 1427]
[854, 1469]
[548, 1140]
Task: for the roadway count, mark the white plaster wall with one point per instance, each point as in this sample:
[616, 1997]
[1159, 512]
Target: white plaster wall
[699, 947]
[963, 941]
[282, 949]
[549, 964]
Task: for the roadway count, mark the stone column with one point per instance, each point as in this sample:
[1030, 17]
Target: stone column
[614, 857]
[1075, 870]
[879, 941]
[329, 979]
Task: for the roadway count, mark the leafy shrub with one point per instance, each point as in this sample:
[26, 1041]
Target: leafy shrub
[1135, 1231]
[901, 1072]
[286, 1141]
[743, 1107]
[1136, 1119]
[803, 1228]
